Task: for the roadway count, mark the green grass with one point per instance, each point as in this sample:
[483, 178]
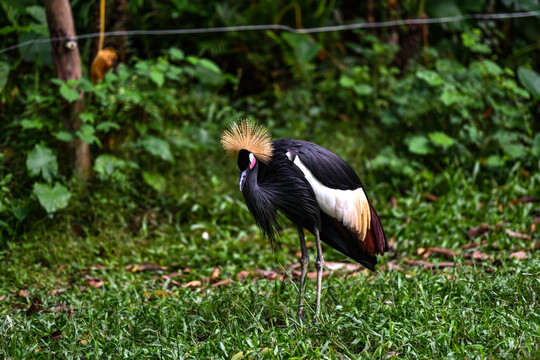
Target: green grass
[476, 309]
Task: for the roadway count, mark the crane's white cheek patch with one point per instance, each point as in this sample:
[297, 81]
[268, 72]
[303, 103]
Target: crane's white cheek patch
[351, 207]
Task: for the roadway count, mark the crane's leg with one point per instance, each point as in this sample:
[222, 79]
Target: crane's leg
[319, 263]
[304, 260]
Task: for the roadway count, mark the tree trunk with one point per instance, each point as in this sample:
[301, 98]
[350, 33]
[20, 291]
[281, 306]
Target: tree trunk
[67, 62]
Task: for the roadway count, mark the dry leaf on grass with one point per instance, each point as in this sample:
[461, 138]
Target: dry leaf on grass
[479, 256]
[474, 245]
[192, 284]
[145, 267]
[313, 274]
[430, 197]
[222, 282]
[524, 200]
[342, 266]
[478, 230]
[55, 335]
[439, 251]
[518, 235]
[94, 282]
[33, 308]
[429, 265]
[55, 292]
[519, 255]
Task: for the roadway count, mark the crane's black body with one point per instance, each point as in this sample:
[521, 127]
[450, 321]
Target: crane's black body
[281, 185]
[312, 187]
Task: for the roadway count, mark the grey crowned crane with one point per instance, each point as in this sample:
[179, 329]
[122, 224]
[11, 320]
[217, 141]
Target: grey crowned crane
[312, 187]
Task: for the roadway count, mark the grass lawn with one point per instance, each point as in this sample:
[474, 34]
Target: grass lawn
[188, 276]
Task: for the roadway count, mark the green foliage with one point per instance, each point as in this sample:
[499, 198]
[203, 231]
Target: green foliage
[42, 160]
[52, 198]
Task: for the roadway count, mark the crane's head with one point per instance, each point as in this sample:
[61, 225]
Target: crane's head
[250, 142]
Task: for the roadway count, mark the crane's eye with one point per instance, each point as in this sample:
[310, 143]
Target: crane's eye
[252, 161]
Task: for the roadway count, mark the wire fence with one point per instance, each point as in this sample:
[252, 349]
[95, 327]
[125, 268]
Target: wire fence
[382, 24]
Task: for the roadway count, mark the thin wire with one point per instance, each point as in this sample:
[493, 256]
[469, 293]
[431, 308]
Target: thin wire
[427, 21]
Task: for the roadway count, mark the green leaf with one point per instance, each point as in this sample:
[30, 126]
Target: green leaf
[363, 89]
[530, 80]
[157, 147]
[441, 139]
[346, 81]
[492, 68]
[429, 76]
[495, 161]
[68, 93]
[65, 136]
[305, 49]
[210, 65]
[515, 150]
[52, 198]
[535, 148]
[87, 117]
[35, 123]
[4, 72]
[419, 144]
[42, 160]
[86, 134]
[155, 180]
[176, 54]
[157, 77]
[107, 125]
[20, 212]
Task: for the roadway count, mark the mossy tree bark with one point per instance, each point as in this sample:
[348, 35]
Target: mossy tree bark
[67, 63]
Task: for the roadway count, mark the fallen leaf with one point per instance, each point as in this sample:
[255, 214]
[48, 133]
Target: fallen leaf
[2, 297]
[474, 245]
[393, 265]
[429, 265]
[420, 251]
[342, 266]
[500, 207]
[215, 275]
[55, 292]
[535, 221]
[171, 275]
[478, 255]
[269, 274]
[53, 336]
[242, 275]
[63, 307]
[222, 282]
[440, 251]
[192, 284]
[145, 267]
[23, 293]
[94, 282]
[518, 235]
[519, 255]
[33, 308]
[430, 197]
[524, 200]
[313, 274]
[392, 244]
[478, 230]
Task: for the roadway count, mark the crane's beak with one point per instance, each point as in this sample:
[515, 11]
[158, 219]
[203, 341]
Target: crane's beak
[243, 177]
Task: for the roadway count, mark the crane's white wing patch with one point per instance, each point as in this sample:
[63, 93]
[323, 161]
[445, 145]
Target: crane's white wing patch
[351, 207]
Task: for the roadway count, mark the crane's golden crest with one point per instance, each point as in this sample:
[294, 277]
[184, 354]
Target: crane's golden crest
[250, 136]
